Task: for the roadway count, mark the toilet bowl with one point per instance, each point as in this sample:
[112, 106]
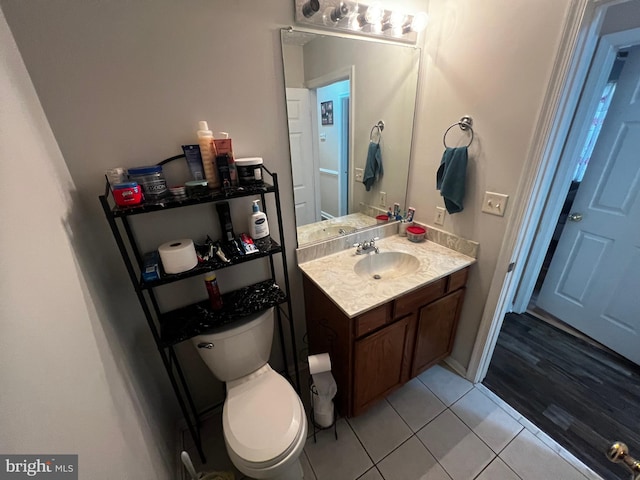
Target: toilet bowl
[263, 419]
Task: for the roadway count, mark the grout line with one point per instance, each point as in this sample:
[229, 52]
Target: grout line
[367, 471]
[309, 461]
[355, 434]
[431, 453]
[401, 417]
[405, 441]
[473, 432]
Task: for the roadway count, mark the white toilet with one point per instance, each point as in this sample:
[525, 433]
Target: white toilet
[263, 419]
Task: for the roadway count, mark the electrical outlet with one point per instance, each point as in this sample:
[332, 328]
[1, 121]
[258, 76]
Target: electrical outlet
[383, 199]
[440, 214]
[495, 203]
[359, 173]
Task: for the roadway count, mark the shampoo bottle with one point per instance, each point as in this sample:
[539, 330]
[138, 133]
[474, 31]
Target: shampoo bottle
[258, 226]
[208, 153]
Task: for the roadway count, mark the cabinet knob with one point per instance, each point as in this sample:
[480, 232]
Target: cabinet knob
[208, 345]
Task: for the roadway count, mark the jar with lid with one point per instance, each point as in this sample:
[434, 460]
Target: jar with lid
[151, 179]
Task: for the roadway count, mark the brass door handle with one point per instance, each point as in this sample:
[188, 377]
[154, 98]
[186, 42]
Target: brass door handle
[575, 217]
[619, 453]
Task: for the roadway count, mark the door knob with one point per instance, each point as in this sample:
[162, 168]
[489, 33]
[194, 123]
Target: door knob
[575, 217]
[619, 453]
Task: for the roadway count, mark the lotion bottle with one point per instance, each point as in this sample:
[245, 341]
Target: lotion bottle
[258, 226]
[208, 153]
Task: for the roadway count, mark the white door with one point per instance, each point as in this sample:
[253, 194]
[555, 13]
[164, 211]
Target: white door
[593, 281]
[302, 165]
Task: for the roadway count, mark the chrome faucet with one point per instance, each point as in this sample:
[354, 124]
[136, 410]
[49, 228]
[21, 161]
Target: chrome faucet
[366, 247]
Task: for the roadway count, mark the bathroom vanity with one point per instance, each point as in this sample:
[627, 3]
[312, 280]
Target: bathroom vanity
[382, 332]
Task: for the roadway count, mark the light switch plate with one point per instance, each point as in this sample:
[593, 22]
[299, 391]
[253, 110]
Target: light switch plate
[383, 199]
[440, 214]
[495, 203]
[359, 173]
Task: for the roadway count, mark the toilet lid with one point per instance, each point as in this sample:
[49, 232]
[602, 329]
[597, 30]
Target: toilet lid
[262, 418]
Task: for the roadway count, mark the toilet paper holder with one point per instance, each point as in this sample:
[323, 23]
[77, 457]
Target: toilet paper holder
[319, 368]
[317, 428]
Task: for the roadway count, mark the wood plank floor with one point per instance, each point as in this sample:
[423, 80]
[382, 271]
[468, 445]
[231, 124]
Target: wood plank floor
[582, 396]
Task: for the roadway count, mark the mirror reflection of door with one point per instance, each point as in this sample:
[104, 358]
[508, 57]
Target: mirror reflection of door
[320, 162]
[303, 165]
[333, 149]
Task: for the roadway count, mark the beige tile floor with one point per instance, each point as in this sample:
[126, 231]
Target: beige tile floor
[438, 426]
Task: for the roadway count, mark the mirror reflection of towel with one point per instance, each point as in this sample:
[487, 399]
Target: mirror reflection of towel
[373, 166]
[451, 176]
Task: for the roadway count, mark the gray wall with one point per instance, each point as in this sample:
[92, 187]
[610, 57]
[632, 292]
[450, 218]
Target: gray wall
[125, 83]
[69, 384]
[491, 60]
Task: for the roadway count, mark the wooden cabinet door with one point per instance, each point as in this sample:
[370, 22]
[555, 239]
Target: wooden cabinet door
[380, 363]
[435, 332]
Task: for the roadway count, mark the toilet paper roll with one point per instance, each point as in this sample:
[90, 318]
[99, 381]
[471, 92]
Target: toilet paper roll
[319, 363]
[178, 255]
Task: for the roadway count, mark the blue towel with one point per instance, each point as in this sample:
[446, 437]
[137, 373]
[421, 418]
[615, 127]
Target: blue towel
[373, 166]
[451, 176]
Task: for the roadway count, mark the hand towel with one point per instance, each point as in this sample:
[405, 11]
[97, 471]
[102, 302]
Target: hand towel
[451, 176]
[373, 166]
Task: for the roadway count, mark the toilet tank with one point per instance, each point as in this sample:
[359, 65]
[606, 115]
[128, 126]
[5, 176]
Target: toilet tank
[238, 349]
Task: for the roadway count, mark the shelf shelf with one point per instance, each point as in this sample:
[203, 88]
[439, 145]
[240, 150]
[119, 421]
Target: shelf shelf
[213, 196]
[170, 328]
[266, 250]
[186, 322]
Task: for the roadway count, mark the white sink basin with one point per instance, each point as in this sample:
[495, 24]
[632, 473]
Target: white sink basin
[386, 265]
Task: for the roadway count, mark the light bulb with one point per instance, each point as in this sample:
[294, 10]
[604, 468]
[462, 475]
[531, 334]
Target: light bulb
[396, 19]
[334, 14]
[310, 8]
[419, 22]
[374, 14]
[357, 22]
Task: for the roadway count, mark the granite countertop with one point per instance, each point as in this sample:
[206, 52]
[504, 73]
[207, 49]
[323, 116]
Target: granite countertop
[354, 294]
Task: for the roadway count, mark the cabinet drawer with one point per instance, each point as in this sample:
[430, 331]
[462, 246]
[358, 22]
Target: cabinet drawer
[458, 280]
[414, 300]
[369, 321]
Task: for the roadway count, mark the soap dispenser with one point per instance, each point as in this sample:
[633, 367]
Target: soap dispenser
[258, 226]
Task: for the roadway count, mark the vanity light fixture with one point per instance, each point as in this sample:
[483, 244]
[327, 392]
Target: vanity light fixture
[355, 17]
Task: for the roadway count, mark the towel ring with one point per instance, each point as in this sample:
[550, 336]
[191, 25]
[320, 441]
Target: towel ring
[380, 127]
[465, 123]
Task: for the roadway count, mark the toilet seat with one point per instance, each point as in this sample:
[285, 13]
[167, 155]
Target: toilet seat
[263, 418]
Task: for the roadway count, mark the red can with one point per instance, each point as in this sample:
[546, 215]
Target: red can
[215, 299]
[126, 194]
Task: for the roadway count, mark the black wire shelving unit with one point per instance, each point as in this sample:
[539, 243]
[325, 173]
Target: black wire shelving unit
[172, 327]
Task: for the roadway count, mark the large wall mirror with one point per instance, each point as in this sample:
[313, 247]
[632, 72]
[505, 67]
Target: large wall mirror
[338, 90]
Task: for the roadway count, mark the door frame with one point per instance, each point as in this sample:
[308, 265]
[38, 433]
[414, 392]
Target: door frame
[344, 73]
[576, 50]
